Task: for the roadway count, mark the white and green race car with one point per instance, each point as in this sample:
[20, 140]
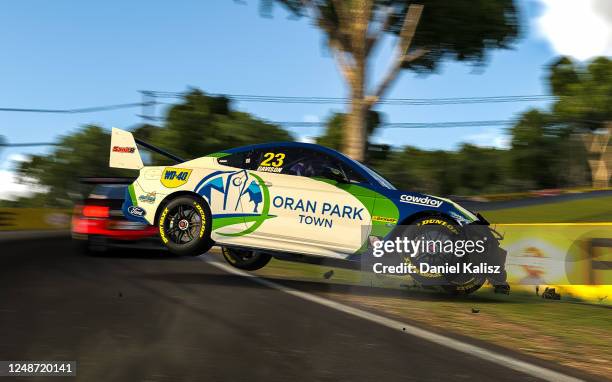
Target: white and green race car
[291, 201]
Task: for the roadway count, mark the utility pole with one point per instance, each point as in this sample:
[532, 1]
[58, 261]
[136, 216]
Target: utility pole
[148, 105]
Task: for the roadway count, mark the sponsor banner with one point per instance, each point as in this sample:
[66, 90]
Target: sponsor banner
[558, 254]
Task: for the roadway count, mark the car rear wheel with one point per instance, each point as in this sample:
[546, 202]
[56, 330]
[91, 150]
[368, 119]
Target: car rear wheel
[245, 259]
[185, 225]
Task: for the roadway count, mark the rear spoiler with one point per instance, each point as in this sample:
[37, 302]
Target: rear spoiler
[124, 151]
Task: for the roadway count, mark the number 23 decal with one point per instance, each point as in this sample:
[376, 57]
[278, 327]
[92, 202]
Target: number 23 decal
[267, 162]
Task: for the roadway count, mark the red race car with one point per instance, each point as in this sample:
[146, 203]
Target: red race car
[98, 223]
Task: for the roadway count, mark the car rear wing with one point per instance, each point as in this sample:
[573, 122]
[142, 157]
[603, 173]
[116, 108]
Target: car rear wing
[124, 151]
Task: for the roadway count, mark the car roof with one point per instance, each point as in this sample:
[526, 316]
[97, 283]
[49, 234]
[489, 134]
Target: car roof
[284, 144]
[305, 145]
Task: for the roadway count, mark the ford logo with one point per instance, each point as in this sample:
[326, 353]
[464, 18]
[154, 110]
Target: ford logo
[136, 211]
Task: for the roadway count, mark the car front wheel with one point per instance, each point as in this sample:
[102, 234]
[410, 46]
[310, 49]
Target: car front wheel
[439, 229]
[245, 259]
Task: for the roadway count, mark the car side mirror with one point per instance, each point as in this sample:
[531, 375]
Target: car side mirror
[334, 174]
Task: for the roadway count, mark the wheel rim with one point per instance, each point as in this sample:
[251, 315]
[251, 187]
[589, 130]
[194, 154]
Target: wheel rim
[183, 224]
[242, 255]
[433, 257]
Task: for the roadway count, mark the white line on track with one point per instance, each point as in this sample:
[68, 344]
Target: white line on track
[473, 350]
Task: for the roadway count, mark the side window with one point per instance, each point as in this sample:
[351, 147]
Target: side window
[352, 175]
[314, 163]
[274, 159]
[295, 161]
[299, 162]
[238, 160]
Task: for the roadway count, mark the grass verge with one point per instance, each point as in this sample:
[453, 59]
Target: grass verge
[568, 333]
[584, 210]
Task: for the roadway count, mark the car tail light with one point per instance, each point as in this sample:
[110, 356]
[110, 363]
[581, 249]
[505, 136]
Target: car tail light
[96, 211]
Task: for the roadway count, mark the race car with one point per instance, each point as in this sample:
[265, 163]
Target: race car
[293, 200]
[98, 223]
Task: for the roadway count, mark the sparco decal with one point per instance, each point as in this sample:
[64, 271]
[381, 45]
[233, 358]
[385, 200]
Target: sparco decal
[421, 200]
[120, 149]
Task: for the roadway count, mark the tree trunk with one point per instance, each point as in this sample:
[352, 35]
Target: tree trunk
[355, 134]
[355, 129]
[601, 164]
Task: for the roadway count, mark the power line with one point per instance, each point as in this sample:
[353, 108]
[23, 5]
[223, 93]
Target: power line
[344, 100]
[410, 125]
[397, 125]
[92, 109]
[286, 100]
[28, 144]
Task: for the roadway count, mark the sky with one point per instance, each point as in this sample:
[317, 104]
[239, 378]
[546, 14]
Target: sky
[70, 54]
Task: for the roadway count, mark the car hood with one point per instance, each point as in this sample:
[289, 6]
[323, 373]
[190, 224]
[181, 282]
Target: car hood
[409, 203]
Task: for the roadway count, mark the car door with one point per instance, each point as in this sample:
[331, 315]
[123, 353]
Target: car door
[307, 207]
[223, 190]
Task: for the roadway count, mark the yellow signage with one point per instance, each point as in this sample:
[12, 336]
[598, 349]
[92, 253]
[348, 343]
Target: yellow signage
[173, 177]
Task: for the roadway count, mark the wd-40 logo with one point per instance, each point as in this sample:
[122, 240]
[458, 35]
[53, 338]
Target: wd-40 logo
[173, 177]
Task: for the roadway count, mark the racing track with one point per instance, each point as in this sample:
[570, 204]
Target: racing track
[141, 316]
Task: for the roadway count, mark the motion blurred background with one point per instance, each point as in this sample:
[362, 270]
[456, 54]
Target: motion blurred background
[505, 106]
[502, 105]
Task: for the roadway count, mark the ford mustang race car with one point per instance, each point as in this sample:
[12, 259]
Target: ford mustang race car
[295, 201]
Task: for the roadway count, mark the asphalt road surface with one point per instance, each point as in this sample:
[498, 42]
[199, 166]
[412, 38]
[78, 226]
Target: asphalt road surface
[137, 316]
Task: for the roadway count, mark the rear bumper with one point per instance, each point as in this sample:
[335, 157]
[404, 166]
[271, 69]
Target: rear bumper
[120, 230]
[115, 233]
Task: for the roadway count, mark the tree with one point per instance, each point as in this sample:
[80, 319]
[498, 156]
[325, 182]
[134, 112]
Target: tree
[462, 30]
[197, 126]
[468, 171]
[332, 137]
[585, 103]
[83, 153]
[203, 124]
[533, 155]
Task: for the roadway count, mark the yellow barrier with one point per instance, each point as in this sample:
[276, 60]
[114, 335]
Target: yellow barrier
[575, 258]
[17, 219]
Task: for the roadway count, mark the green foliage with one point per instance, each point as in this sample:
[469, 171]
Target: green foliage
[83, 153]
[534, 149]
[470, 170]
[198, 126]
[333, 135]
[202, 124]
[585, 91]
[463, 30]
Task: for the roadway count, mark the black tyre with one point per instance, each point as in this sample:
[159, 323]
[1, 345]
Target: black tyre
[440, 228]
[245, 259]
[184, 226]
[90, 246]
